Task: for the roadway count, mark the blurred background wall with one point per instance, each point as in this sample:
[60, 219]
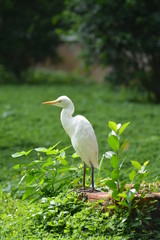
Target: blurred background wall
[70, 54]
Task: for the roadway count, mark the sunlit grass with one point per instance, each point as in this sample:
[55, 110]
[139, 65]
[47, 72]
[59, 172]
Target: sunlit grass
[25, 123]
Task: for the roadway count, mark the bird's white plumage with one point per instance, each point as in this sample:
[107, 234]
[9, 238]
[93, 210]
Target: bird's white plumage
[84, 141]
[80, 131]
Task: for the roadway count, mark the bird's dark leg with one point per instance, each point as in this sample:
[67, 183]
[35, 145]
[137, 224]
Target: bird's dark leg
[92, 169]
[83, 189]
[93, 189]
[84, 175]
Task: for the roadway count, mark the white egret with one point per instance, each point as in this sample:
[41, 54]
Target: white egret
[81, 132]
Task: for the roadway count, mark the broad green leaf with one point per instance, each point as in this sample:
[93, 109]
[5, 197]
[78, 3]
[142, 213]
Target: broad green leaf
[101, 201]
[41, 149]
[143, 170]
[17, 166]
[67, 169]
[75, 155]
[106, 214]
[137, 187]
[115, 195]
[28, 192]
[111, 207]
[52, 152]
[113, 142]
[123, 127]
[146, 163]
[72, 169]
[48, 163]
[109, 154]
[123, 195]
[131, 197]
[111, 184]
[132, 175]
[115, 175]
[112, 126]
[136, 164]
[19, 154]
[115, 162]
[123, 203]
[62, 154]
[41, 182]
[29, 179]
[64, 162]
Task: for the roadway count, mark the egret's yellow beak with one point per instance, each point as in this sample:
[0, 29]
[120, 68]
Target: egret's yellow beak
[50, 102]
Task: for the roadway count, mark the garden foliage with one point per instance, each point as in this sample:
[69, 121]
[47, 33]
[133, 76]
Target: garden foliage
[29, 32]
[48, 174]
[124, 35]
[62, 212]
[121, 193]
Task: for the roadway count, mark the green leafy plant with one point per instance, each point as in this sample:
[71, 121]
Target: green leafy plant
[48, 174]
[136, 177]
[68, 216]
[114, 141]
[71, 216]
[121, 193]
[62, 212]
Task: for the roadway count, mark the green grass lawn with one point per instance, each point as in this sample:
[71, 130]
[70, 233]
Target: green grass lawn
[26, 124]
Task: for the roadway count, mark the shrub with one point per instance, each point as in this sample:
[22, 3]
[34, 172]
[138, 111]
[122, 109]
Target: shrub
[63, 213]
[6, 76]
[29, 32]
[40, 76]
[47, 174]
[47, 76]
[123, 34]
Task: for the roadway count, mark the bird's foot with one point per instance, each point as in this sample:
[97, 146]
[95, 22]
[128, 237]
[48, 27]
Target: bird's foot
[83, 190]
[92, 190]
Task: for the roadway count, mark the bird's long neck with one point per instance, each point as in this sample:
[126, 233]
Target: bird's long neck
[67, 119]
